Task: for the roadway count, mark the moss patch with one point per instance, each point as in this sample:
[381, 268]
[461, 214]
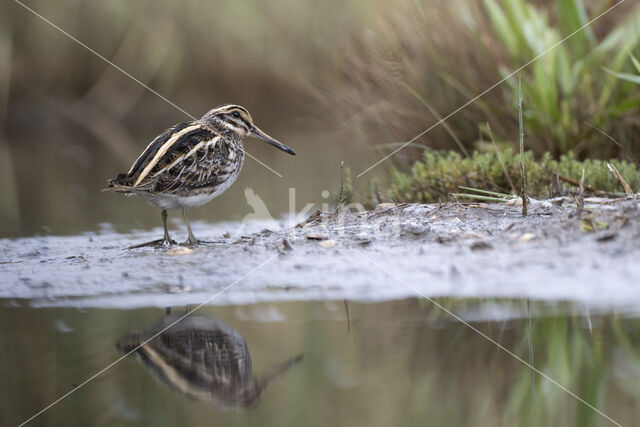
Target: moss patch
[440, 173]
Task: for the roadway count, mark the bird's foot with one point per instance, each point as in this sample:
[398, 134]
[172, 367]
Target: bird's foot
[158, 243]
[192, 242]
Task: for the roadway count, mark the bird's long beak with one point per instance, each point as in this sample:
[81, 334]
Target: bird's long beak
[255, 131]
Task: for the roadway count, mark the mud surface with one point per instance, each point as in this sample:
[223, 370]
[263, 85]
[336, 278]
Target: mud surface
[394, 251]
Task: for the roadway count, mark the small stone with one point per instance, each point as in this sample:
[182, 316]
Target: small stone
[176, 289]
[527, 237]
[480, 245]
[179, 251]
[607, 237]
[472, 235]
[445, 239]
[328, 243]
[286, 246]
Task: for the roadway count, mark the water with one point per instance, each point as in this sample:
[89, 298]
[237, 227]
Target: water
[400, 362]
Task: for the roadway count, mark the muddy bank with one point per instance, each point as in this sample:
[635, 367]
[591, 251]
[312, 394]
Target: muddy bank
[394, 251]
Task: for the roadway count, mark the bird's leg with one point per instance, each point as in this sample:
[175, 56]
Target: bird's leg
[165, 241]
[191, 240]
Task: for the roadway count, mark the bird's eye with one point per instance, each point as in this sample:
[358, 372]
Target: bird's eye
[236, 114]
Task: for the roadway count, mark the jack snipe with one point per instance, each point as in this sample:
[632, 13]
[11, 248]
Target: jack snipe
[204, 359]
[191, 163]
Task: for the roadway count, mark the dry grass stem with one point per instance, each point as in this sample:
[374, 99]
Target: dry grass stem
[341, 195]
[580, 198]
[523, 184]
[617, 175]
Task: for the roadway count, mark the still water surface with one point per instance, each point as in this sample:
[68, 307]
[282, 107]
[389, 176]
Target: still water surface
[401, 362]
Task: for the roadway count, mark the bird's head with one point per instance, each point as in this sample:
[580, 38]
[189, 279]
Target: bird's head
[237, 119]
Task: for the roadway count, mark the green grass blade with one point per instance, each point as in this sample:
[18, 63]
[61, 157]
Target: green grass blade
[624, 76]
[635, 62]
[501, 26]
[480, 197]
[493, 193]
[573, 15]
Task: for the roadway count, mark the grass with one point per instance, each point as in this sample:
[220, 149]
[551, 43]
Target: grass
[633, 78]
[440, 173]
[411, 71]
[568, 83]
[581, 97]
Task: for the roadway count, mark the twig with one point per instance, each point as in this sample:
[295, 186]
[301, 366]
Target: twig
[580, 198]
[617, 175]
[341, 196]
[504, 168]
[314, 217]
[587, 187]
[523, 185]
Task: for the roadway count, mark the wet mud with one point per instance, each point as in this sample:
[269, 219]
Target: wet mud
[556, 252]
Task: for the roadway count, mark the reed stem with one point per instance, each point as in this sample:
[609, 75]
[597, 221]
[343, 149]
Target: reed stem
[523, 182]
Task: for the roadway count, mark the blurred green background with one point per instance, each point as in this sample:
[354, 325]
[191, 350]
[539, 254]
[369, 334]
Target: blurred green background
[336, 80]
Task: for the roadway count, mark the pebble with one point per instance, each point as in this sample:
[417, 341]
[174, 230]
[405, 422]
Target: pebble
[527, 237]
[179, 251]
[328, 243]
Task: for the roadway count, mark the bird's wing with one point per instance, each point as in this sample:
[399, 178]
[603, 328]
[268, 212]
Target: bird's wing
[194, 156]
[159, 144]
[164, 140]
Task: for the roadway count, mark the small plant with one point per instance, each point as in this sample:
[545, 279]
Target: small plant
[441, 173]
[345, 194]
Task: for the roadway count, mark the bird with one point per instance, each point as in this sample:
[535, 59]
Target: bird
[203, 358]
[191, 163]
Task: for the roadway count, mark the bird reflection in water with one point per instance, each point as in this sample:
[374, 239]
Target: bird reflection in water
[203, 358]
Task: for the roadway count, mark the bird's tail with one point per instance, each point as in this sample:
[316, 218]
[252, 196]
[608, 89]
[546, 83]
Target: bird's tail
[120, 184]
